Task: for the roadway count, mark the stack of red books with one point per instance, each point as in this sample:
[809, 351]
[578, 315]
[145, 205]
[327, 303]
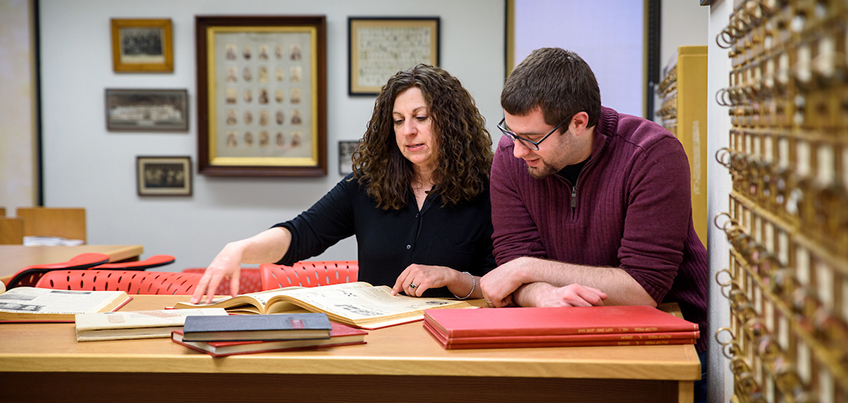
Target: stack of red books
[557, 327]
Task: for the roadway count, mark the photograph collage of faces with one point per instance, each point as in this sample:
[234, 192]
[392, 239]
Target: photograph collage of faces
[265, 86]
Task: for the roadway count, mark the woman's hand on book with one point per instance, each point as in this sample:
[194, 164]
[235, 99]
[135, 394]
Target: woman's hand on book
[227, 265]
[417, 278]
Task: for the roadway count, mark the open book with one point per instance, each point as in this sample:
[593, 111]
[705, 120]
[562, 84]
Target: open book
[358, 304]
[28, 304]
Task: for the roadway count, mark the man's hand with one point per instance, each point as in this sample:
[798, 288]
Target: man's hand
[544, 294]
[499, 284]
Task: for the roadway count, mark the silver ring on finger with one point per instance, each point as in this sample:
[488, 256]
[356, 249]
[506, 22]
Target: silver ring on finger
[413, 286]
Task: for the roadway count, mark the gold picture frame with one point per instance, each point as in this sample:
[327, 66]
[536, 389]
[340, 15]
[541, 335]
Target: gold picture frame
[379, 47]
[142, 45]
[261, 95]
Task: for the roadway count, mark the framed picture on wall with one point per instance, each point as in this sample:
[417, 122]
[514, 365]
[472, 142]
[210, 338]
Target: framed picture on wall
[163, 176]
[146, 110]
[379, 47]
[261, 96]
[142, 45]
[346, 149]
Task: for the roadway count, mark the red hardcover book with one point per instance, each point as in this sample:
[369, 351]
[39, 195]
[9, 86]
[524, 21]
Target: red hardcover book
[568, 340]
[340, 335]
[502, 322]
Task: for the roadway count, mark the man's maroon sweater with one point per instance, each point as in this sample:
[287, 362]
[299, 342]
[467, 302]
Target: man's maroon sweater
[630, 208]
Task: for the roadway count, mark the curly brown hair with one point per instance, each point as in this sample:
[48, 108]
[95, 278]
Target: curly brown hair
[465, 146]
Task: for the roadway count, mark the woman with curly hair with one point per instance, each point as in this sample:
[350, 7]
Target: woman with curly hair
[417, 200]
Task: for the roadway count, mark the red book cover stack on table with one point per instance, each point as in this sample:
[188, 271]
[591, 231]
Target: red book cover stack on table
[557, 327]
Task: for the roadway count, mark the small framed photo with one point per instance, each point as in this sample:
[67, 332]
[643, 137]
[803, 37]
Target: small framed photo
[379, 47]
[163, 176]
[346, 149]
[142, 46]
[146, 110]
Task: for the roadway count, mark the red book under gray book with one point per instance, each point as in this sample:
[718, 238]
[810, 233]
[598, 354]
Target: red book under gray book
[340, 335]
[557, 327]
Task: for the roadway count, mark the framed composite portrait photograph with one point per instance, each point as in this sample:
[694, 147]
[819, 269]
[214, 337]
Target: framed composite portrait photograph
[142, 45]
[163, 176]
[141, 110]
[379, 47]
[261, 95]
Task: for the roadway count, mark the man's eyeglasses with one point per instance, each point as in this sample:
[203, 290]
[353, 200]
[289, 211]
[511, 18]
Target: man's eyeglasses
[533, 145]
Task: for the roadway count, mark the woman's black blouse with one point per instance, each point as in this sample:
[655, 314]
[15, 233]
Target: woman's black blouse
[388, 241]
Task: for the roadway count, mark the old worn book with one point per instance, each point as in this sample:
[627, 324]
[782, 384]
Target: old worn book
[357, 304]
[565, 340]
[28, 304]
[257, 327]
[340, 335]
[137, 324]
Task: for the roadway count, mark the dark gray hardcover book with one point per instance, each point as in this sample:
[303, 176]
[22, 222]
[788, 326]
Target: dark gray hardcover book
[290, 326]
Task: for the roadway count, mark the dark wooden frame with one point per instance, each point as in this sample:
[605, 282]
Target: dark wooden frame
[353, 23]
[162, 95]
[166, 66]
[208, 162]
[185, 190]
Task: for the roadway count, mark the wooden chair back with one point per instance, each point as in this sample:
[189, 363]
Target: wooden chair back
[11, 231]
[62, 222]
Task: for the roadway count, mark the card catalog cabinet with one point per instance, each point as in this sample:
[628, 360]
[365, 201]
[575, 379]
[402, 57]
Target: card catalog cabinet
[787, 224]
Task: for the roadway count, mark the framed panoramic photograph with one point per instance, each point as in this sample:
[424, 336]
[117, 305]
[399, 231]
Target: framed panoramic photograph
[379, 47]
[141, 110]
[261, 96]
[142, 45]
[346, 149]
[163, 176]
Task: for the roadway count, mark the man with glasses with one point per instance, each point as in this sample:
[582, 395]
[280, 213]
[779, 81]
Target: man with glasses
[589, 206]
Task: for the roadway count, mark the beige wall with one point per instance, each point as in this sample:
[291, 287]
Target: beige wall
[17, 112]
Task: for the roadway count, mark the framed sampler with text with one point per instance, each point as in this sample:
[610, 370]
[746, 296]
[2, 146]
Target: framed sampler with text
[261, 95]
[379, 47]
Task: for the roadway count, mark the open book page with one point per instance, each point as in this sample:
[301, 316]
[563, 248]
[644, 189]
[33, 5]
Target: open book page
[364, 305]
[358, 303]
[28, 303]
[255, 302]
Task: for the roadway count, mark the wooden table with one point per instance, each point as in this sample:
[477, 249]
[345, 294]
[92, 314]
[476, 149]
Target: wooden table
[44, 362]
[13, 258]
